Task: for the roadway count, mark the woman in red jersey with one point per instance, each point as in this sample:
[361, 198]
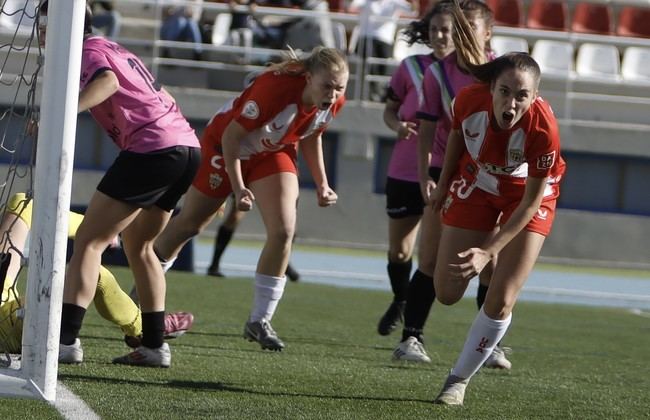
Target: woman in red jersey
[249, 149]
[503, 158]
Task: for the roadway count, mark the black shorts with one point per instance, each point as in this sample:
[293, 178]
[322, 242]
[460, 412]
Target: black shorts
[158, 178]
[403, 198]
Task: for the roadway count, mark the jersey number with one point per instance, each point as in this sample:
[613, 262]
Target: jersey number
[146, 76]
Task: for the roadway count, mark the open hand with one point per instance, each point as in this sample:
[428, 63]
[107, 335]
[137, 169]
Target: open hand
[473, 262]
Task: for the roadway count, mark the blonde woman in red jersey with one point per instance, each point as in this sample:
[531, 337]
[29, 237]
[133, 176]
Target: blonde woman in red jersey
[502, 159]
[249, 149]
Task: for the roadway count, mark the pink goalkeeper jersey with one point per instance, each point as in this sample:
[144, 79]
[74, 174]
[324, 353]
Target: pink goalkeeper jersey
[406, 85]
[140, 117]
[442, 82]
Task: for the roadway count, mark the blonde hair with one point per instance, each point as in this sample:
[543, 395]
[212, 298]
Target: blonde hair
[320, 59]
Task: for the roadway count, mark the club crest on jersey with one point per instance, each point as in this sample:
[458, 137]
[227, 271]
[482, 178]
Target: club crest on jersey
[546, 161]
[250, 110]
[215, 181]
[516, 155]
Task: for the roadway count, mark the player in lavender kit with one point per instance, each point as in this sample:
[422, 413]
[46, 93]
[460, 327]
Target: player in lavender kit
[159, 157]
[442, 81]
[404, 203]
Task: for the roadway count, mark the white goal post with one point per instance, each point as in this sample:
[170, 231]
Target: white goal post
[37, 375]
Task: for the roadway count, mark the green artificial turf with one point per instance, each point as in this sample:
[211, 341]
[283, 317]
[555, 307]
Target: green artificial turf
[568, 362]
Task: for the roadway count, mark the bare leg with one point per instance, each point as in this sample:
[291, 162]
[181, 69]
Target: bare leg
[276, 196]
[197, 212]
[105, 218]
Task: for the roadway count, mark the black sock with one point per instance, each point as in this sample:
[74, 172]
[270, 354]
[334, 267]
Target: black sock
[421, 295]
[72, 316]
[153, 329]
[480, 295]
[399, 273]
[224, 235]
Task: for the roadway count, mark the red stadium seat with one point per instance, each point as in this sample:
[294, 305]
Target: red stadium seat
[547, 14]
[336, 6]
[592, 18]
[507, 12]
[633, 21]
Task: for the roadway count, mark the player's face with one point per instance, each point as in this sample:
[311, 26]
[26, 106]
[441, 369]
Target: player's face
[440, 28]
[512, 94]
[324, 88]
[481, 29]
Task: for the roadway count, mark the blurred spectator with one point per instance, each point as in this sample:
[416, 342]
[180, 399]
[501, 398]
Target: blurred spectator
[303, 33]
[181, 23]
[306, 33]
[377, 30]
[106, 17]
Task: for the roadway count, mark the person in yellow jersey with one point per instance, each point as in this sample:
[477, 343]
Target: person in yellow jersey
[112, 303]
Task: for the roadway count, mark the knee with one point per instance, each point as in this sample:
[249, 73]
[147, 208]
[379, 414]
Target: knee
[447, 298]
[448, 291]
[281, 236]
[138, 250]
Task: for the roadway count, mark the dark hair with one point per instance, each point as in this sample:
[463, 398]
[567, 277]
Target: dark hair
[490, 71]
[87, 20]
[418, 30]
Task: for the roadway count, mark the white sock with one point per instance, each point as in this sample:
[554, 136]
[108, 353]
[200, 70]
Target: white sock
[268, 291]
[482, 338]
[167, 265]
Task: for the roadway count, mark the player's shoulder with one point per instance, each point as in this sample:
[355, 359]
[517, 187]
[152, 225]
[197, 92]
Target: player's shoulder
[96, 43]
[472, 97]
[542, 113]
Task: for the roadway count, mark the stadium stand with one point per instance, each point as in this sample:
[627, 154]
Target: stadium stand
[507, 12]
[636, 64]
[633, 21]
[549, 15]
[505, 44]
[555, 58]
[598, 61]
[592, 18]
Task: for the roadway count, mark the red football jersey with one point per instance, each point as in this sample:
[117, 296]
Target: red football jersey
[497, 160]
[271, 110]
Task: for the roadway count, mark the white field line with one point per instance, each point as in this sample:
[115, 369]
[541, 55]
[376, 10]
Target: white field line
[72, 407]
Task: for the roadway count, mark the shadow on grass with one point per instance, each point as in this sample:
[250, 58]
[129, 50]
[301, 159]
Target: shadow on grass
[221, 386]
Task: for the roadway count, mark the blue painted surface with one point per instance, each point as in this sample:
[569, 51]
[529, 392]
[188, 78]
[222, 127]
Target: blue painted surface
[548, 286]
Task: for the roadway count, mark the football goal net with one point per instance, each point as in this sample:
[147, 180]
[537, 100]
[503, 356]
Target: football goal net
[39, 89]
